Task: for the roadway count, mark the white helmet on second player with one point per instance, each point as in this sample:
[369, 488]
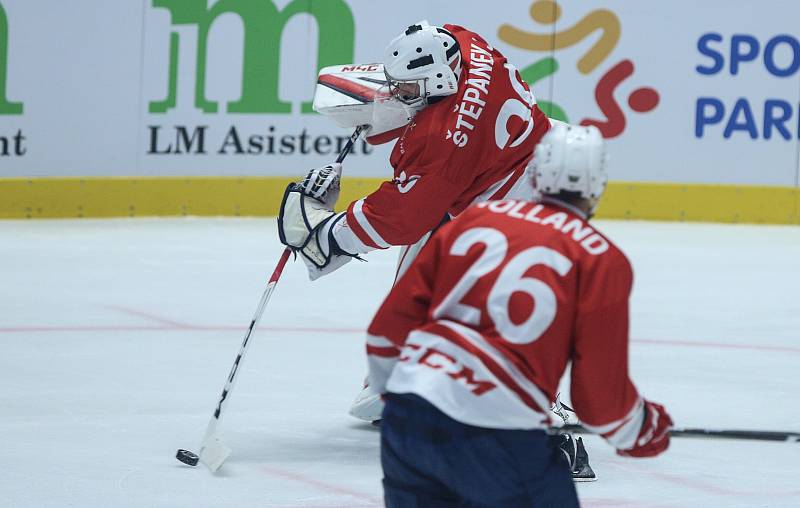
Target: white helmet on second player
[422, 62]
[570, 158]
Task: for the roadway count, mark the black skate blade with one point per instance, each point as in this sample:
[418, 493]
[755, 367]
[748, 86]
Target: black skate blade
[585, 473]
[582, 471]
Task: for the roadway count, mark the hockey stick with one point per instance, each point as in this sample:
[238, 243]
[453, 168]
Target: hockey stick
[759, 435]
[213, 452]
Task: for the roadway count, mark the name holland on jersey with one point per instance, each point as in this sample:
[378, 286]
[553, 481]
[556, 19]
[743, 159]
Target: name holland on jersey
[582, 233]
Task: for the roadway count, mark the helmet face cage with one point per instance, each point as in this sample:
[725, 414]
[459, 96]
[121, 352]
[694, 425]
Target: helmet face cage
[389, 112]
[410, 92]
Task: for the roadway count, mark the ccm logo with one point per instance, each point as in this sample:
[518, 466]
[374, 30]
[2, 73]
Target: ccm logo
[437, 360]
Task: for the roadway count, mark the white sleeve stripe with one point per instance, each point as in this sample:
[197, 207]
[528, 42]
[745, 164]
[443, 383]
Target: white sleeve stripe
[477, 340]
[491, 190]
[623, 432]
[608, 427]
[347, 239]
[379, 371]
[624, 438]
[378, 341]
[384, 364]
[358, 213]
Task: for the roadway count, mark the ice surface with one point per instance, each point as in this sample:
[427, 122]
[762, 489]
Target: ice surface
[116, 337]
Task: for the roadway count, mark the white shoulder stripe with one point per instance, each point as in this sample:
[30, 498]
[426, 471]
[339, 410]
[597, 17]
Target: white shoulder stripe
[488, 193]
[358, 212]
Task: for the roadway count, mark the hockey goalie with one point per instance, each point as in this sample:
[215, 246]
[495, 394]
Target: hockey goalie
[464, 125]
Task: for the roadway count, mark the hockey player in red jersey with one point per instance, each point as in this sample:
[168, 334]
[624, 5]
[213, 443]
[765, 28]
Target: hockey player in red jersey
[470, 344]
[474, 127]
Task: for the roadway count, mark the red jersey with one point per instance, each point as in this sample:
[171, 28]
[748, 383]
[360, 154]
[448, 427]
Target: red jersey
[486, 319]
[468, 147]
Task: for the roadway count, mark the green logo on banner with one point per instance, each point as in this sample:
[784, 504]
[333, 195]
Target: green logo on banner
[263, 25]
[6, 107]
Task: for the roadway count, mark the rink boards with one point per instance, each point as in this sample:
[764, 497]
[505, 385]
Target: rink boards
[261, 196]
[176, 107]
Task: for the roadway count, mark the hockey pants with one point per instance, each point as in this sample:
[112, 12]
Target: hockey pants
[430, 460]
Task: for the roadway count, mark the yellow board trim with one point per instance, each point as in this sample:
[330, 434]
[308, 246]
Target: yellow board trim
[701, 203]
[260, 196]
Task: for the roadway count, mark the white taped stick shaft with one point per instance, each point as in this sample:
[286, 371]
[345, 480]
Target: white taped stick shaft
[212, 451]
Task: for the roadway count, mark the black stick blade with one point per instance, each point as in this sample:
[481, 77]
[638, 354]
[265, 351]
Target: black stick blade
[187, 457]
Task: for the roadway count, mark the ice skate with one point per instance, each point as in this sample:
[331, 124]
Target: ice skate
[574, 450]
[577, 458]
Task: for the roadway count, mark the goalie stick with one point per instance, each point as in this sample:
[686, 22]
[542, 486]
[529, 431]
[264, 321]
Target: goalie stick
[213, 452]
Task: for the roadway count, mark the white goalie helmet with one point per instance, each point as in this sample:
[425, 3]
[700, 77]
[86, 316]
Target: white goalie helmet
[570, 158]
[422, 62]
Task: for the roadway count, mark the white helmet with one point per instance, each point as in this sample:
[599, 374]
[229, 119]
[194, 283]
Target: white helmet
[422, 62]
[570, 158]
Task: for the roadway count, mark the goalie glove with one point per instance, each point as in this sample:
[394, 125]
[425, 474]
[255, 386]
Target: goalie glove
[653, 437]
[307, 219]
[323, 184]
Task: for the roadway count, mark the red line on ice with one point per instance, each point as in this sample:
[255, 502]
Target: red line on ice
[689, 343]
[149, 316]
[697, 484]
[178, 327]
[618, 503]
[324, 486]
[172, 328]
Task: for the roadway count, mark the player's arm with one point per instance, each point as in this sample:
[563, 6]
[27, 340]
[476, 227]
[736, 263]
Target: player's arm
[404, 309]
[397, 213]
[602, 393]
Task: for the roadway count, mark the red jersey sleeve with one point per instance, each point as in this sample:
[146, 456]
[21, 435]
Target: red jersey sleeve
[400, 212]
[602, 393]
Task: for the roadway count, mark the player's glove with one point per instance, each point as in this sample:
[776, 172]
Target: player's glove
[653, 437]
[306, 220]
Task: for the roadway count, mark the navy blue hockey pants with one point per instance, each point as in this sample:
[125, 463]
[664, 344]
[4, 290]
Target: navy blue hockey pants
[430, 461]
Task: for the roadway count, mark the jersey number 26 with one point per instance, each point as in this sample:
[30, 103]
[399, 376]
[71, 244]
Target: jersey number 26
[511, 279]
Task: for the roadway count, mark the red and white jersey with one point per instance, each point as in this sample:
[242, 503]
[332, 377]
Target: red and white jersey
[487, 317]
[469, 147]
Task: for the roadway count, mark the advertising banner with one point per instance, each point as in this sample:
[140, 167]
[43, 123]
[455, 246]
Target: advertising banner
[684, 92]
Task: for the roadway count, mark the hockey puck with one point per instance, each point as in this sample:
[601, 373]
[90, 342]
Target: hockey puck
[187, 457]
